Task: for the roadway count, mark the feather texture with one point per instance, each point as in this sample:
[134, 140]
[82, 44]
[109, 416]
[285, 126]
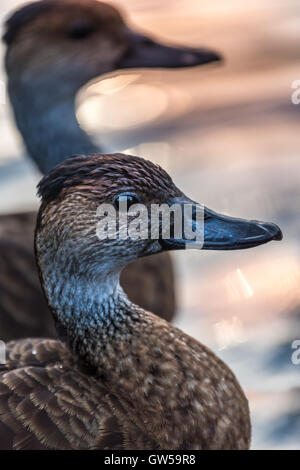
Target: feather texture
[47, 402]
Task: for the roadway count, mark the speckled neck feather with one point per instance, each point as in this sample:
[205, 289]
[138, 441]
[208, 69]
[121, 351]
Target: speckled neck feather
[169, 388]
[83, 306]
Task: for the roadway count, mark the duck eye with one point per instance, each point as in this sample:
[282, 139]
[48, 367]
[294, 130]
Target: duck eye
[80, 30]
[125, 200]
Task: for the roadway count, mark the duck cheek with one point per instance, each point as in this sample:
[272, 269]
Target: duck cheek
[125, 251]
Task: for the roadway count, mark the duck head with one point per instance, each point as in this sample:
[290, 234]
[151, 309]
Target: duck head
[85, 198]
[70, 42]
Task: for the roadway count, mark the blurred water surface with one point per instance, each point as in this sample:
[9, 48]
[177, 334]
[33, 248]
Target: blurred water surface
[229, 136]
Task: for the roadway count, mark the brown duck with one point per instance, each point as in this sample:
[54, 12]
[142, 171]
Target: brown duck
[54, 47]
[119, 377]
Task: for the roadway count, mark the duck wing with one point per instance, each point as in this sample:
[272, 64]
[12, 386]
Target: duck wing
[47, 403]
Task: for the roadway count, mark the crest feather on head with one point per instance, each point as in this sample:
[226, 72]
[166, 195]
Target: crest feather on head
[119, 169]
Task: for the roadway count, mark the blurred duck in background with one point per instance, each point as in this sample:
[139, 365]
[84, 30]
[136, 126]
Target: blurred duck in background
[121, 378]
[53, 49]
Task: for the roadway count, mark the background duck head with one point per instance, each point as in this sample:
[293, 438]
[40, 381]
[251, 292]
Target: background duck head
[55, 47]
[77, 40]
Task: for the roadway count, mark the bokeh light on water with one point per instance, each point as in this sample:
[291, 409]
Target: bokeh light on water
[229, 136]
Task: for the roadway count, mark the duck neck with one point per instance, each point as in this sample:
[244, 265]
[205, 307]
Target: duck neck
[86, 308]
[48, 124]
[132, 352]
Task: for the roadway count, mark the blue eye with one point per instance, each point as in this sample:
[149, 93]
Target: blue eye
[125, 200]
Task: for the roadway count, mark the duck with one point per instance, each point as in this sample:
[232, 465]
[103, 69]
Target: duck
[53, 48]
[119, 377]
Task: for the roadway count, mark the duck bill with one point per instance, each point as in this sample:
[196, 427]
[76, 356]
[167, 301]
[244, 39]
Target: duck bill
[213, 231]
[143, 52]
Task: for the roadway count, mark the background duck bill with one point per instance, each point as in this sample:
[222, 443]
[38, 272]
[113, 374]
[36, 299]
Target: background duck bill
[144, 52]
[221, 232]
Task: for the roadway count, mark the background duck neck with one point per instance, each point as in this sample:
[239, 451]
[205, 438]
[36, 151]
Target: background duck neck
[48, 125]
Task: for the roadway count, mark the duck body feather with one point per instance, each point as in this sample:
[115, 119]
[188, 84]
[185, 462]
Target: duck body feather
[49, 401]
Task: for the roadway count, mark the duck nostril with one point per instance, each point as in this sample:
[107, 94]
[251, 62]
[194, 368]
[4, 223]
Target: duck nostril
[199, 213]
